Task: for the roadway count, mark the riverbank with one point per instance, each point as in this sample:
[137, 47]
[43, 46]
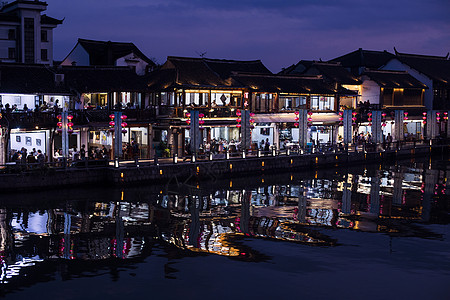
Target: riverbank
[168, 171]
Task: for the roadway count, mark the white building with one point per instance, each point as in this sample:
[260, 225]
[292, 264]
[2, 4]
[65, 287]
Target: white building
[99, 53]
[26, 35]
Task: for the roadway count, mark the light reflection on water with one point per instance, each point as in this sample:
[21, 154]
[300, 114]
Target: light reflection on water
[395, 201]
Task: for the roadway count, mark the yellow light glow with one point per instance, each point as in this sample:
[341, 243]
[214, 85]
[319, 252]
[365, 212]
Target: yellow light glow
[121, 175]
[262, 164]
[160, 172]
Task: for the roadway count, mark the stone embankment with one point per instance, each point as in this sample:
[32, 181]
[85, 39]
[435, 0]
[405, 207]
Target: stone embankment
[150, 173]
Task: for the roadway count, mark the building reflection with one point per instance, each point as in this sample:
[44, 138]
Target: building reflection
[388, 201]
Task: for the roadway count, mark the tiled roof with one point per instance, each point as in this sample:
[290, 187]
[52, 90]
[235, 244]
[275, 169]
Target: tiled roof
[394, 79]
[106, 53]
[201, 72]
[334, 72]
[364, 58]
[224, 68]
[29, 79]
[435, 67]
[50, 21]
[284, 83]
[40, 79]
[102, 79]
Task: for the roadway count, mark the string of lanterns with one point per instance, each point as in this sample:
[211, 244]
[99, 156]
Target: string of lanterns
[310, 118]
[369, 118]
[296, 118]
[201, 121]
[252, 121]
[354, 117]
[238, 120]
[341, 118]
[188, 121]
[69, 124]
[112, 124]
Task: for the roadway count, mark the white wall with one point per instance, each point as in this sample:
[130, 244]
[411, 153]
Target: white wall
[370, 91]
[33, 140]
[396, 65]
[18, 99]
[134, 61]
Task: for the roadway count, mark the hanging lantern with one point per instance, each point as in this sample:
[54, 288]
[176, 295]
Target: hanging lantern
[252, 121]
[59, 124]
[405, 115]
[123, 117]
[124, 124]
[445, 116]
[188, 115]
[238, 113]
[112, 123]
[438, 117]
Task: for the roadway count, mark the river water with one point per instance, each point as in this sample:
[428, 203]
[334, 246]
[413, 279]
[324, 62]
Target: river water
[371, 232]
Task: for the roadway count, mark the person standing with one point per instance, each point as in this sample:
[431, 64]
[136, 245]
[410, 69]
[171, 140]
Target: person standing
[40, 158]
[83, 152]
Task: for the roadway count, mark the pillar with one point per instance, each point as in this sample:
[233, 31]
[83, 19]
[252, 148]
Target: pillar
[377, 131]
[194, 132]
[118, 134]
[398, 126]
[348, 128]
[303, 127]
[432, 126]
[245, 130]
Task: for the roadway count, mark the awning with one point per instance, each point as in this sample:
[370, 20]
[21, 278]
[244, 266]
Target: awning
[319, 118]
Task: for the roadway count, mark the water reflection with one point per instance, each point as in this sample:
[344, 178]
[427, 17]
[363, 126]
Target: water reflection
[217, 220]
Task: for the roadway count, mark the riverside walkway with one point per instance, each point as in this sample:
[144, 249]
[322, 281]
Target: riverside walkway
[203, 167]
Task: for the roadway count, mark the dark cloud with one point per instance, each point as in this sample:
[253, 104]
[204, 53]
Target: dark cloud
[278, 32]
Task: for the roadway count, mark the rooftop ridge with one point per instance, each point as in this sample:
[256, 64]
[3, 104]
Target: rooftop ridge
[212, 59]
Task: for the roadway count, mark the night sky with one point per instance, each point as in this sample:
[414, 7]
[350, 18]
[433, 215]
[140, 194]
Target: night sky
[280, 33]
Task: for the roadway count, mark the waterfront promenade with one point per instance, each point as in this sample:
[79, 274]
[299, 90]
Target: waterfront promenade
[202, 167]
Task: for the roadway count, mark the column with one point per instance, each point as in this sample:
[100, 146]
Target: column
[348, 128]
[245, 130]
[118, 134]
[432, 126]
[194, 132]
[398, 126]
[302, 127]
[64, 135]
[377, 131]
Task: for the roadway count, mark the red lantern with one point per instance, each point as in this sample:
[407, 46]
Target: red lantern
[188, 121]
[201, 122]
[112, 123]
[69, 117]
[296, 113]
[59, 124]
[296, 124]
[111, 116]
[70, 124]
[238, 113]
[201, 115]
[188, 115]
[123, 117]
[124, 124]
[238, 125]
